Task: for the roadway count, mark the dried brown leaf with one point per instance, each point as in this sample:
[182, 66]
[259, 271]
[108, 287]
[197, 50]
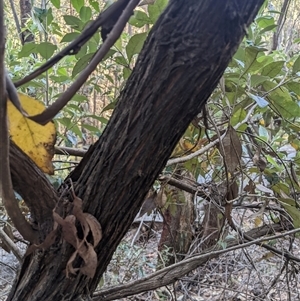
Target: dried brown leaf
[77, 211]
[232, 149]
[250, 187]
[95, 228]
[69, 230]
[49, 241]
[69, 266]
[89, 257]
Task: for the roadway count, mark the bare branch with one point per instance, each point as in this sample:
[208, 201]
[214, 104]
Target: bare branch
[69, 151]
[11, 244]
[52, 110]
[6, 189]
[17, 22]
[75, 46]
[211, 144]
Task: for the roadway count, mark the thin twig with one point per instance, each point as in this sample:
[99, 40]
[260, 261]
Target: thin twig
[211, 144]
[6, 188]
[76, 45]
[51, 111]
[12, 246]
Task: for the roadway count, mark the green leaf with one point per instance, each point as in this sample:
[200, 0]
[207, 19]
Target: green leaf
[272, 69]
[56, 3]
[81, 64]
[156, 9]
[120, 60]
[296, 66]
[281, 100]
[65, 121]
[81, 52]
[110, 106]
[237, 116]
[79, 98]
[290, 207]
[77, 4]
[69, 37]
[139, 19]
[259, 100]
[135, 45]
[126, 72]
[256, 80]
[76, 130]
[265, 21]
[294, 87]
[74, 22]
[251, 54]
[92, 46]
[46, 49]
[95, 5]
[268, 28]
[90, 128]
[109, 54]
[27, 49]
[85, 14]
[101, 119]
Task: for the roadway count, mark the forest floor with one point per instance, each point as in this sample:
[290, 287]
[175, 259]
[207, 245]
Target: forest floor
[250, 274]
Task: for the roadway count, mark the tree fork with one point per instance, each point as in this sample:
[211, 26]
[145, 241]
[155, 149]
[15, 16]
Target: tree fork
[181, 63]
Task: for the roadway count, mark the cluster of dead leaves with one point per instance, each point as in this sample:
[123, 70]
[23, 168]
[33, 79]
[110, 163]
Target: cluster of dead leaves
[83, 248]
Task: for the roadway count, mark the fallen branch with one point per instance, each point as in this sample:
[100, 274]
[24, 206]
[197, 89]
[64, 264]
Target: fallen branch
[172, 273]
[12, 246]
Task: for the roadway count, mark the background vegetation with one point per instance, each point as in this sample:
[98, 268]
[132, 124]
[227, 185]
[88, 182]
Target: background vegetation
[246, 140]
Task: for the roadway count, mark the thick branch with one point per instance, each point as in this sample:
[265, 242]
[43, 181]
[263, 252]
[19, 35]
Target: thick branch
[31, 183]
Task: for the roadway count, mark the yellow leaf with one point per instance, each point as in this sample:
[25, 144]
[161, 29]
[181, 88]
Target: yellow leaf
[37, 141]
[258, 221]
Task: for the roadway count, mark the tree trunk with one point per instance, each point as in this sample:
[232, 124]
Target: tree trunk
[181, 63]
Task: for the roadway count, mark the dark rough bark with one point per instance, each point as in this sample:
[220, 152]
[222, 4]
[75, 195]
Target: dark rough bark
[180, 65]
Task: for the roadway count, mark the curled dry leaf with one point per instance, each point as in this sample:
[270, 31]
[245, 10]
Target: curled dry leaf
[69, 230]
[89, 256]
[95, 228]
[49, 240]
[69, 266]
[77, 211]
[232, 149]
[87, 253]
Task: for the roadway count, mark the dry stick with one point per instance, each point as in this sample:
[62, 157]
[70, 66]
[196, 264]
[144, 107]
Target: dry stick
[75, 45]
[210, 145]
[172, 273]
[69, 151]
[11, 244]
[51, 111]
[280, 23]
[18, 26]
[13, 95]
[6, 188]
